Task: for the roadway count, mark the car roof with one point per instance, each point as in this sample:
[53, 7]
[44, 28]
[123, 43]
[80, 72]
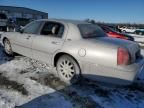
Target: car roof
[75, 22]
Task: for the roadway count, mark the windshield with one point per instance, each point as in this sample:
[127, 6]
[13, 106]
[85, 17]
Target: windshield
[90, 31]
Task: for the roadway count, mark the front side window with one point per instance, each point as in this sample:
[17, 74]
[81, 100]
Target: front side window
[32, 28]
[90, 31]
[52, 29]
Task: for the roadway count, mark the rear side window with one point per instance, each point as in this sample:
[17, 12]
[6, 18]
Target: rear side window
[52, 29]
[33, 27]
[90, 31]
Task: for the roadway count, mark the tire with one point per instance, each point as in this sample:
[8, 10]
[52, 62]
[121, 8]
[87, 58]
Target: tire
[124, 31]
[140, 33]
[68, 69]
[7, 47]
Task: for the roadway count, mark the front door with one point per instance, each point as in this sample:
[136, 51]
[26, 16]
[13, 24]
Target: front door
[23, 43]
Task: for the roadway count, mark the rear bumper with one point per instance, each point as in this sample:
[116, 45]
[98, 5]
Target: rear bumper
[122, 75]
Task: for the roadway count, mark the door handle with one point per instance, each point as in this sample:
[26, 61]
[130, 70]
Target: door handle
[28, 37]
[54, 42]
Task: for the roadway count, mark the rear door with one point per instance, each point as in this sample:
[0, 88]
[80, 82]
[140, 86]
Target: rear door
[48, 42]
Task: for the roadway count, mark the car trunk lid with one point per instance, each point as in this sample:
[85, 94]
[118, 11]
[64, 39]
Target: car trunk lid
[132, 47]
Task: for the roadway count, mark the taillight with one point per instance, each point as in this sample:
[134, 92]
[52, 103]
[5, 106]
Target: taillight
[123, 57]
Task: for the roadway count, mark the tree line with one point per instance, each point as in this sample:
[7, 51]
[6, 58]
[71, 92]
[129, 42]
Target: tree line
[116, 24]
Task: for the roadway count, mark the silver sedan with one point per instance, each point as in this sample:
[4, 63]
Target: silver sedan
[77, 48]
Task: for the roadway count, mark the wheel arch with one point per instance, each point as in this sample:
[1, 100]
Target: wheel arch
[58, 55]
[4, 38]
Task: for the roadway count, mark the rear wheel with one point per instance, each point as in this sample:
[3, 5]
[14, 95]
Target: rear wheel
[7, 47]
[68, 69]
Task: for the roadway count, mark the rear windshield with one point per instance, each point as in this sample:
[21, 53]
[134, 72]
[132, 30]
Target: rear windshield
[107, 29]
[91, 30]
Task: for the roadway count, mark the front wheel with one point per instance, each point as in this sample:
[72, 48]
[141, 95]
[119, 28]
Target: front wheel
[7, 47]
[140, 33]
[68, 69]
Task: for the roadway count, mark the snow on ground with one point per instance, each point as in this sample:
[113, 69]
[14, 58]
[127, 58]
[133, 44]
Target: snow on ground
[20, 69]
[24, 83]
[138, 38]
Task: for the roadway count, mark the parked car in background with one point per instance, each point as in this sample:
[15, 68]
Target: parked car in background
[112, 33]
[138, 38]
[139, 31]
[77, 48]
[3, 22]
[128, 30]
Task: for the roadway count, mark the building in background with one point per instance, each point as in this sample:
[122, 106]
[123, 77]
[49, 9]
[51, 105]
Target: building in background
[3, 22]
[20, 16]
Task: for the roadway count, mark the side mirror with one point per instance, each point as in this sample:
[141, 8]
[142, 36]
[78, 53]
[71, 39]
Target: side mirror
[21, 29]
